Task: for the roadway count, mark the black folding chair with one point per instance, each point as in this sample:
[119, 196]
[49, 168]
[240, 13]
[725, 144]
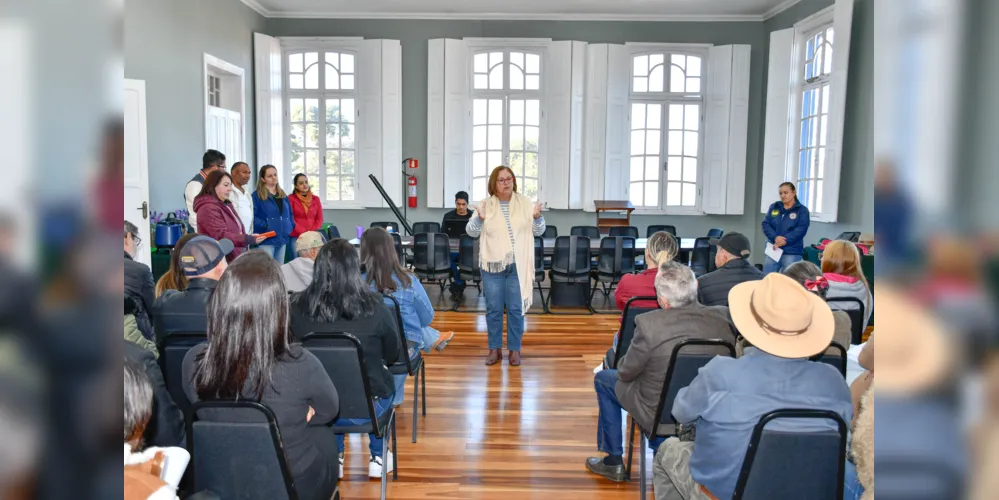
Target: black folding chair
[616, 258]
[631, 311]
[432, 258]
[539, 270]
[426, 227]
[785, 465]
[630, 231]
[468, 263]
[342, 357]
[650, 230]
[715, 233]
[854, 308]
[700, 256]
[414, 367]
[591, 232]
[387, 225]
[332, 233]
[173, 349]
[837, 360]
[681, 372]
[570, 266]
[551, 232]
[237, 452]
[851, 236]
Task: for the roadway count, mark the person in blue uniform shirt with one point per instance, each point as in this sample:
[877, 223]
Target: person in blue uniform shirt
[785, 226]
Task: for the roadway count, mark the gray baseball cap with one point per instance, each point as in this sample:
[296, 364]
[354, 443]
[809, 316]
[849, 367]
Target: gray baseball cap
[201, 254]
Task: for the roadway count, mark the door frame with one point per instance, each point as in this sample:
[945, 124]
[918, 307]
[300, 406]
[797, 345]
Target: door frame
[216, 65]
[139, 86]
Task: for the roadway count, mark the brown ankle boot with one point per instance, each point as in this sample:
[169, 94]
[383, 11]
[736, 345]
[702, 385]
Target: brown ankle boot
[514, 358]
[494, 357]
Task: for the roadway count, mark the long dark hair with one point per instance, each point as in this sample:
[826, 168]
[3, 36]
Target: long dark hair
[337, 290]
[381, 261]
[174, 278]
[793, 189]
[212, 181]
[247, 330]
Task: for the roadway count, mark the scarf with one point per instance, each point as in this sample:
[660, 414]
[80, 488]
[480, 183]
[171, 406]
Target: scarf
[306, 200]
[495, 253]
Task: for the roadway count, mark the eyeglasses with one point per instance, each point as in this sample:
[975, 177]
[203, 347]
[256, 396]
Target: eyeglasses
[505, 180]
[137, 240]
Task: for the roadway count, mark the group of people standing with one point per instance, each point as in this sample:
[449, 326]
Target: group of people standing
[222, 206]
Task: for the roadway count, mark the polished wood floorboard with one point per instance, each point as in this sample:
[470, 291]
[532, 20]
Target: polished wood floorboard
[500, 432]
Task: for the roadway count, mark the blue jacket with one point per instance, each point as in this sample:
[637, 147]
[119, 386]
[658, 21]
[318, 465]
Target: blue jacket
[791, 223]
[269, 216]
[414, 304]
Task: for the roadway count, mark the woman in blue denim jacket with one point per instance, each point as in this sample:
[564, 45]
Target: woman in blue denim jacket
[385, 274]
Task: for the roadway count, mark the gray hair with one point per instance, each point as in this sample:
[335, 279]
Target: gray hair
[661, 246]
[676, 284]
[138, 398]
[130, 229]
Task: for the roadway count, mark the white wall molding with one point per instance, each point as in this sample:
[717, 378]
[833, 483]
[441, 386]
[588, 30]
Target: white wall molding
[787, 4]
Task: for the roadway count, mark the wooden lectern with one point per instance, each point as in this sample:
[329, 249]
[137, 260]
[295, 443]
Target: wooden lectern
[605, 207]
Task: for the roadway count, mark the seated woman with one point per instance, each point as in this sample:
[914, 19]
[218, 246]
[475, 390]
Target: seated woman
[248, 356]
[142, 469]
[841, 266]
[174, 279]
[338, 300]
[385, 275]
[810, 276]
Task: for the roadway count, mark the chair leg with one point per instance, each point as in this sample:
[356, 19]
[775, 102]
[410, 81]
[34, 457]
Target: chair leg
[416, 397]
[385, 465]
[631, 449]
[423, 384]
[395, 454]
[641, 475]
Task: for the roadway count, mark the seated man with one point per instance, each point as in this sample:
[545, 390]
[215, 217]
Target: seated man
[203, 262]
[461, 213]
[138, 281]
[784, 324]
[733, 268]
[637, 383]
[298, 273]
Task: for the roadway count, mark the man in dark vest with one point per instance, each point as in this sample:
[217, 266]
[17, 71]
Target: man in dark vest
[212, 160]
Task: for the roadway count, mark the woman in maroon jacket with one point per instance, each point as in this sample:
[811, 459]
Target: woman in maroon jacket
[217, 218]
[306, 209]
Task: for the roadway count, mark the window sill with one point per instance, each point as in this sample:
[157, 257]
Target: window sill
[653, 211]
[345, 207]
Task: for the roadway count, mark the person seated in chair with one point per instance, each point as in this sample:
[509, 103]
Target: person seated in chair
[733, 267]
[638, 381]
[203, 261]
[784, 324]
[298, 273]
[460, 213]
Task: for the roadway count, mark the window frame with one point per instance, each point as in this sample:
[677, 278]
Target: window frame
[666, 98]
[321, 46]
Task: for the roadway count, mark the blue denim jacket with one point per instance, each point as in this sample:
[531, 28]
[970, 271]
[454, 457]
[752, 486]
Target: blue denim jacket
[417, 312]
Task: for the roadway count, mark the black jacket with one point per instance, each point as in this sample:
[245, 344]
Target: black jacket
[184, 311]
[379, 336]
[139, 286]
[166, 426]
[712, 288]
[453, 215]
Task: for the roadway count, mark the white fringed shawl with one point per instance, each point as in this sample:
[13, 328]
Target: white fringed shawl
[495, 253]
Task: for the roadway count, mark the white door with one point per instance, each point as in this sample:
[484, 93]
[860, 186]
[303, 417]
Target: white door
[225, 133]
[137, 165]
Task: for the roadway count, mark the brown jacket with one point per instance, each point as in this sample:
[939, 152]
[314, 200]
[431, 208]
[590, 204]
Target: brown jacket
[642, 371]
[142, 477]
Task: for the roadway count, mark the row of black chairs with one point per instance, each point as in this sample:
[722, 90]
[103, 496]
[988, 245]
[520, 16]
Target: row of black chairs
[214, 427]
[552, 231]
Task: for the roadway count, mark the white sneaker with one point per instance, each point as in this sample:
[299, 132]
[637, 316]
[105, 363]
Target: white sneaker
[341, 467]
[375, 466]
[598, 369]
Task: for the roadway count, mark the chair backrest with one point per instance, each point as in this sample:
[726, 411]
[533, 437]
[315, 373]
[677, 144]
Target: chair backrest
[539, 255]
[173, 349]
[837, 360]
[386, 225]
[650, 230]
[393, 303]
[431, 252]
[715, 232]
[332, 233]
[631, 231]
[572, 255]
[854, 308]
[631, 311]
[468, 254]
[237, 452]
[791, 465]
[592, 232]
[700, 256]
[616, 256]
[683, 367]
[342, 357]
[851, 236]
[397, 241]
[550, 231]
[426, 227]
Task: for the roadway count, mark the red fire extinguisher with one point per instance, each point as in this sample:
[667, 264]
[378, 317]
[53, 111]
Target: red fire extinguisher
[412, 163]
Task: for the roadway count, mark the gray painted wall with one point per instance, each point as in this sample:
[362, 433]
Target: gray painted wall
[414, 35]
[165, 43]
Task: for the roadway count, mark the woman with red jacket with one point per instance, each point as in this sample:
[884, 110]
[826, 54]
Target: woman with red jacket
[305, 208]
[217, 218]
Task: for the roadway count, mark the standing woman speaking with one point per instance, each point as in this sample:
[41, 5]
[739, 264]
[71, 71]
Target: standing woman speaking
[506, 223]
[785, 225]
[272, 212]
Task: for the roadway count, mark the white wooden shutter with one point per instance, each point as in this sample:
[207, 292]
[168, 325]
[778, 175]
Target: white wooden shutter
[457, 132]
[391, 122]
[576, 107]
[369, 117]
[558, 104]
[268, 103]
[616, 169]
[780, 91]
[595, 127]
[842, 23]
[435, 124]
[726, 130]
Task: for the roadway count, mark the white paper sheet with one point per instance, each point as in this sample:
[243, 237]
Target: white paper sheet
[774, 253]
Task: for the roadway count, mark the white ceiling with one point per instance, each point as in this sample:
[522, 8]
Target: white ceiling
[594, 10]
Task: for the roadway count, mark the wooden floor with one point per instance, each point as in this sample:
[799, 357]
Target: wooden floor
[502, 432]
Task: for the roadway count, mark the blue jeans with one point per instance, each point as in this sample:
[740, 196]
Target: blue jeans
[852, 490]
[503, 290]
[400, 380]
[610, 438]
[374, 442]
[454, 269]
[772, 266]
[276, 251]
